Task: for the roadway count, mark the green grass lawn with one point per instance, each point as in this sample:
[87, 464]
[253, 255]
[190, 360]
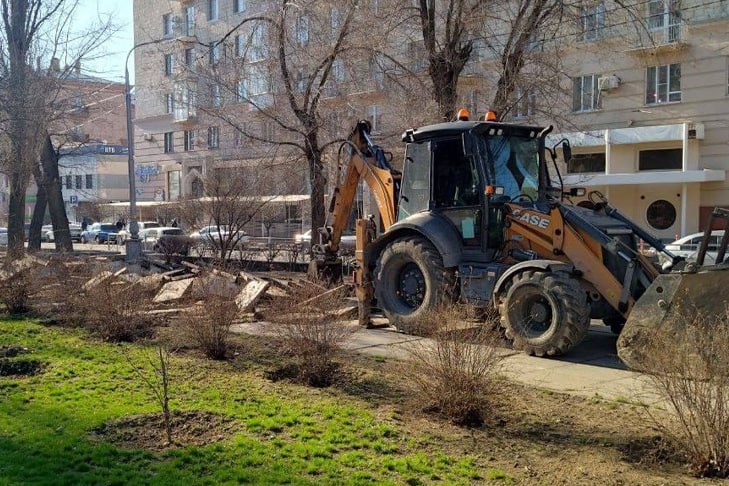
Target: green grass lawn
[288, 434]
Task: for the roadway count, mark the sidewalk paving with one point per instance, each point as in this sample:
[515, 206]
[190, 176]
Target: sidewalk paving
[593, 369]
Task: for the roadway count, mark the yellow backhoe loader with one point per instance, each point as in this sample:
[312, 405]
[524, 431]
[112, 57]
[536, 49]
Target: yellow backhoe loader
[479, 214]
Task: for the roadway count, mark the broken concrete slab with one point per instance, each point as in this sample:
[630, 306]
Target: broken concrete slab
[96, 280]
[349, 312]
[250, 295]
[275, 293]
[215, 284]
[173, 290]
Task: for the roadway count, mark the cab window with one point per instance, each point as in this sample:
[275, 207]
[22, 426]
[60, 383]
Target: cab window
[455, 178]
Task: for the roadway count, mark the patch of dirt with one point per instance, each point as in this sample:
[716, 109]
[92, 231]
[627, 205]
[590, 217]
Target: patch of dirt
[19, 368]
[12, 351]
[148, 431]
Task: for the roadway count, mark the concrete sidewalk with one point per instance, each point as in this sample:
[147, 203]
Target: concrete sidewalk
[593, 369]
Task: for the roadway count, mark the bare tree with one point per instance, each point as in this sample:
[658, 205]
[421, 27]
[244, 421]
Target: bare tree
[228, 206]
[36, 29]
[282, 67]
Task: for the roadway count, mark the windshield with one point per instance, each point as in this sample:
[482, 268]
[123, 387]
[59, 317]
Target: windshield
[512, 163]
[108, 228]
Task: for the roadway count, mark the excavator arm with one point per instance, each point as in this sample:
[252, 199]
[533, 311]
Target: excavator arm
[359, 159]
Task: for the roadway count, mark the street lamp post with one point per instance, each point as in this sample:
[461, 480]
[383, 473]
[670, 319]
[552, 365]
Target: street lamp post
[133, 245]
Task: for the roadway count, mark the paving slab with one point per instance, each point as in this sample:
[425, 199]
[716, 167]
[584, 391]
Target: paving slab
[592, 370]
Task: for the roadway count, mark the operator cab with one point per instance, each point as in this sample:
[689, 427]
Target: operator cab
[466, 171]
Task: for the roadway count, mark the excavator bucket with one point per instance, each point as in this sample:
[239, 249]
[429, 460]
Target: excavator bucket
[671, 302]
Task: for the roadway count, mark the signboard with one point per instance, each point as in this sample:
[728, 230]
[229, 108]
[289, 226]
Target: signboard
[73, 200]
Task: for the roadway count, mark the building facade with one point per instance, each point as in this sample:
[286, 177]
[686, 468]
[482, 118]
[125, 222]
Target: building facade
[641, 92]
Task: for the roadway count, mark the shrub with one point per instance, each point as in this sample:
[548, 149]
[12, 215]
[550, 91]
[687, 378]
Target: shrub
[208, 327]
[454, 372]
[114, 311]
[689, 367]
[15, 292]
[311, 331]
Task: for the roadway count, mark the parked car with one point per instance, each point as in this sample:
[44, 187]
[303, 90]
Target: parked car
[166, 239]
[99, 233]
[124, 233]
[348, 242]
[688, 246]
[74, 228]
[44, 232]
[212, 235]
[3, 237]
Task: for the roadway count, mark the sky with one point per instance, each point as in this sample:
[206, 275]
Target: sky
[110, 62]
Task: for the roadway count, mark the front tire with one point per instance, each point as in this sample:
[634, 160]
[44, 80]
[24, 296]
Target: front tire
[544, 313]
[411, 281]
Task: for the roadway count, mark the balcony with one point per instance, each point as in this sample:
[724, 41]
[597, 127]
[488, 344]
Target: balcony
[662, 39]
[185, 30]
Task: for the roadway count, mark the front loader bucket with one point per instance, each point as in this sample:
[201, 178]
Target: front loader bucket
[669, 304]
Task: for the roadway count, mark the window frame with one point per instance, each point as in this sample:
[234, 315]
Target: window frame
[213, 137]
[213, 10]
[596, 103]
[168, 25]
[655, 84]
[593, 20]
[78, 182]
[169, 142]
[89, 181]
[239, 6]
[189, 138]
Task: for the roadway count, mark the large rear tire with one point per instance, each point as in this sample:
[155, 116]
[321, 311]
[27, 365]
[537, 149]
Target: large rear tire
[410, 281]
[544, 313]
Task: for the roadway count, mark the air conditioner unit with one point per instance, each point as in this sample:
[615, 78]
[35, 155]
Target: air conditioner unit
[606, 83]
[148, 137]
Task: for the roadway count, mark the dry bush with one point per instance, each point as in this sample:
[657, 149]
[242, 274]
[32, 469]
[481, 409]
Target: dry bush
[311, 331]
[208, 327]
[115, 311]
[454, 372]
[689, 367]
[15, 292]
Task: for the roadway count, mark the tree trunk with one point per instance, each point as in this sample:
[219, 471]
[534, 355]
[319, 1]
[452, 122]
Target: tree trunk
[36, 223]
[318, 188]
[52, 183]
[16, 217]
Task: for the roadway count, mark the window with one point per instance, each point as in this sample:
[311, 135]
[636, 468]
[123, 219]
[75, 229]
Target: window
[240, 45]
[663, 159]
[593, 21]
[586, 163]
[259, 81]
[377, 70]
[167, 23]
[301, 81]
[213, 10]
[661, 214]
[169, 64]
[68, 182]
[169, 103]
[258, 40]
[89, 181]
[241, 93]
[455, 178]
[215, 55]
[239, 6]
[216, 99]
[375, 117]
[338, 70]
[190, 21]
[585, 95]
[526, 102]
[302, 30]
[213, 137]
[190, 136]
[663, 84]
[415, 192]
[169, 142]
[190, 57]
[79, 182]
[663, 13]
[335, 21]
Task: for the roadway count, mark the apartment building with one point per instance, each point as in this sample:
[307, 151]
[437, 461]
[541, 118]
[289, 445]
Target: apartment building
[645, 99]
[199, 115]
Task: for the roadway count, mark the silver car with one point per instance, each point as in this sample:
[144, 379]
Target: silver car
[688, 246]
